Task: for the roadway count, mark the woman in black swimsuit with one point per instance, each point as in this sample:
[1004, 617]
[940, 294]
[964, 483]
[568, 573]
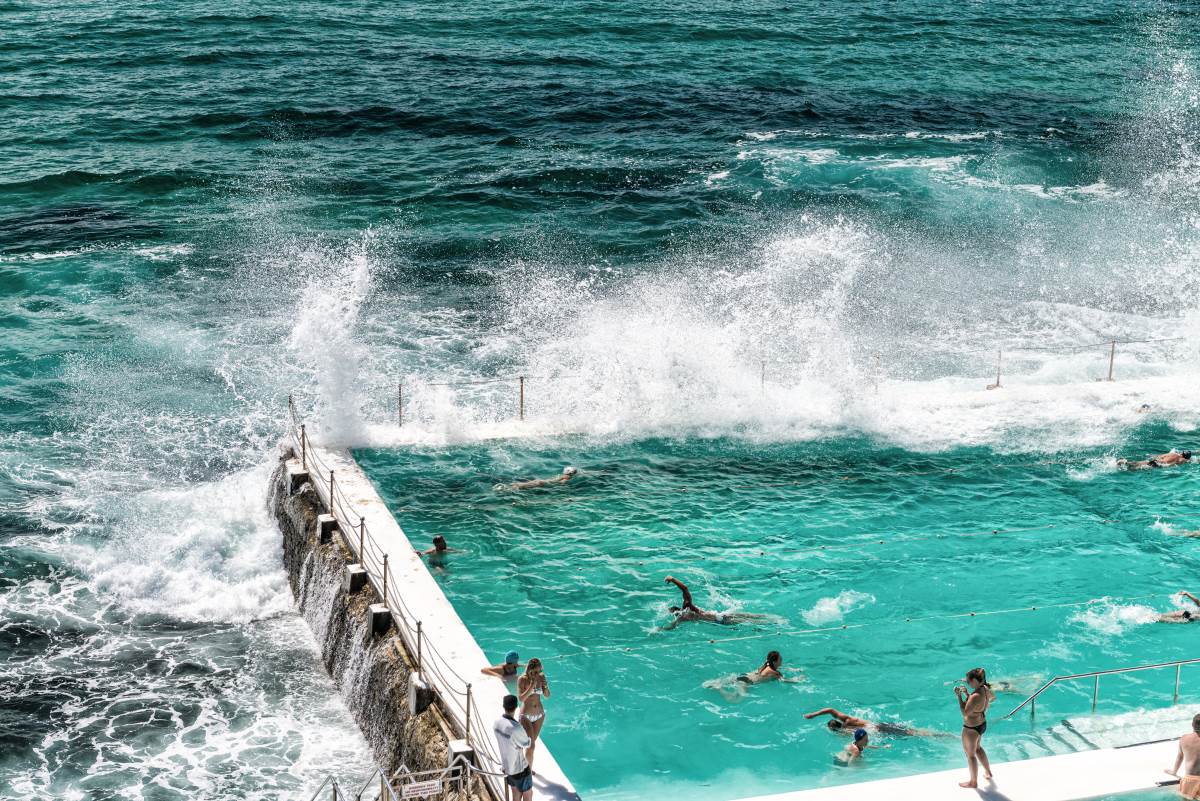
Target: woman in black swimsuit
[973, 704]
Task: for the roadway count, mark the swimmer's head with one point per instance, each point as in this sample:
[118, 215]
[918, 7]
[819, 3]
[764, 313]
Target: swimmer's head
[511, 658]
[1186, 455]
[773, 659]
[860, 734]
[1196, 724]
[569, 471]
[1187, 615]
[439, 542]
[675, 610]
[834, 724]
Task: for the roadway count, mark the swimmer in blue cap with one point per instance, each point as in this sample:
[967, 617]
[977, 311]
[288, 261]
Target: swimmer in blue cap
[507, 670]
[856, 749]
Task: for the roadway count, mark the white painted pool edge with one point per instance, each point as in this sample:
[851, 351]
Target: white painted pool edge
[442, 628]
[1065, 777]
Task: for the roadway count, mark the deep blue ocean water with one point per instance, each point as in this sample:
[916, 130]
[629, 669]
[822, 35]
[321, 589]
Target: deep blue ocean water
[644, 208]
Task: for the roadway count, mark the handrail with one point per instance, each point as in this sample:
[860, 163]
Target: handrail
[357, 537]
[1096, 674]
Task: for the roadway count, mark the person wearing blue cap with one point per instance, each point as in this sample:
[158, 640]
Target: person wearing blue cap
[855, 750]
[506, 670]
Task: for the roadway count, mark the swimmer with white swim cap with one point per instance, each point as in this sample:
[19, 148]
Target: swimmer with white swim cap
[567, 474]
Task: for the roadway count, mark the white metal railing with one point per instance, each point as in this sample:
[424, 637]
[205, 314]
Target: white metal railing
[453, 690]
[518, 382]
[1095, 675]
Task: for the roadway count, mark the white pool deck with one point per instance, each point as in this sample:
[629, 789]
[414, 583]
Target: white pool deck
[1066, 777]
[442, 628]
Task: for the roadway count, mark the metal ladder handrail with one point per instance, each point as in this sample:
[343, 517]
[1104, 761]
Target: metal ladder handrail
[1096, 674]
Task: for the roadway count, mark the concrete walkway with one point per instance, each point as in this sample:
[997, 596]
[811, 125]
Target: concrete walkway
[1066, 777]
[442, 628]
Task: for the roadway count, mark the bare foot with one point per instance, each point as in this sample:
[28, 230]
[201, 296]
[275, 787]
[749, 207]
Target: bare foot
[987, 776]
[968, 785]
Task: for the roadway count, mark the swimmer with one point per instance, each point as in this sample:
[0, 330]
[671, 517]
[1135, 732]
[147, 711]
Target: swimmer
[1144, 408]
[507, 670]
[437, 554]
[689, 611]
[768, 672]
[842, 723]
[856, 749]
[1182, 615]
[567, 474]
[1170, 459]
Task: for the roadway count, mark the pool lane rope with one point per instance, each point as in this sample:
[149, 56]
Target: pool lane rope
[759, 635]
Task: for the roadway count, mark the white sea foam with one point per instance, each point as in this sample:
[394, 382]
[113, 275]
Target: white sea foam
[1112, 619]
[834, 609]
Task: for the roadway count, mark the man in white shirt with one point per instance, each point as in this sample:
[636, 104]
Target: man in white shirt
[513, 742]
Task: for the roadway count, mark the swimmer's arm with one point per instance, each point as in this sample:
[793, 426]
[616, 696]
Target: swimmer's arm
[826, 711]
[494, 670]
[1178, 761]
[687, 595]
[1190, 597]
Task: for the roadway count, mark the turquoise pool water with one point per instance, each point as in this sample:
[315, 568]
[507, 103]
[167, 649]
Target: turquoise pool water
[894, 545]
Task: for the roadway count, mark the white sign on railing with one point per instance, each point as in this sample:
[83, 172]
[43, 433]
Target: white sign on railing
[422, 789]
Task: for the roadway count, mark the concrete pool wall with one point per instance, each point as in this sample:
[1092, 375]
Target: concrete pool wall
[365, 593]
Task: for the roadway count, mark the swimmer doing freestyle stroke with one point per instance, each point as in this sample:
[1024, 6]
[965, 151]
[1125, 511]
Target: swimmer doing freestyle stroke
[1182, 615]
[842, 723]
[689, 611]
[1169, 459]
[567, 474]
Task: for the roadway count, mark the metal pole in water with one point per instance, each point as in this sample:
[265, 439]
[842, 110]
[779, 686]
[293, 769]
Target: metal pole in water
[468, 714]
[303, 447]
[385, 579]
[522, 395]
[1095, 692]
[1175, 700]
[1032, 709]
[362, 535]
[999, 356]
[400, 404]
[1112, 355]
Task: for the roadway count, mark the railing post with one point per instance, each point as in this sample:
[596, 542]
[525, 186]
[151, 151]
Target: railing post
[303, 447]
[385, 572]
[1112, 355]
[468, 734]
[382, 796]
[400, 404]
[419, 652]
[521, 390]
[331, 494]
[1175, 700]
[362, 535]
[1095, 692]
